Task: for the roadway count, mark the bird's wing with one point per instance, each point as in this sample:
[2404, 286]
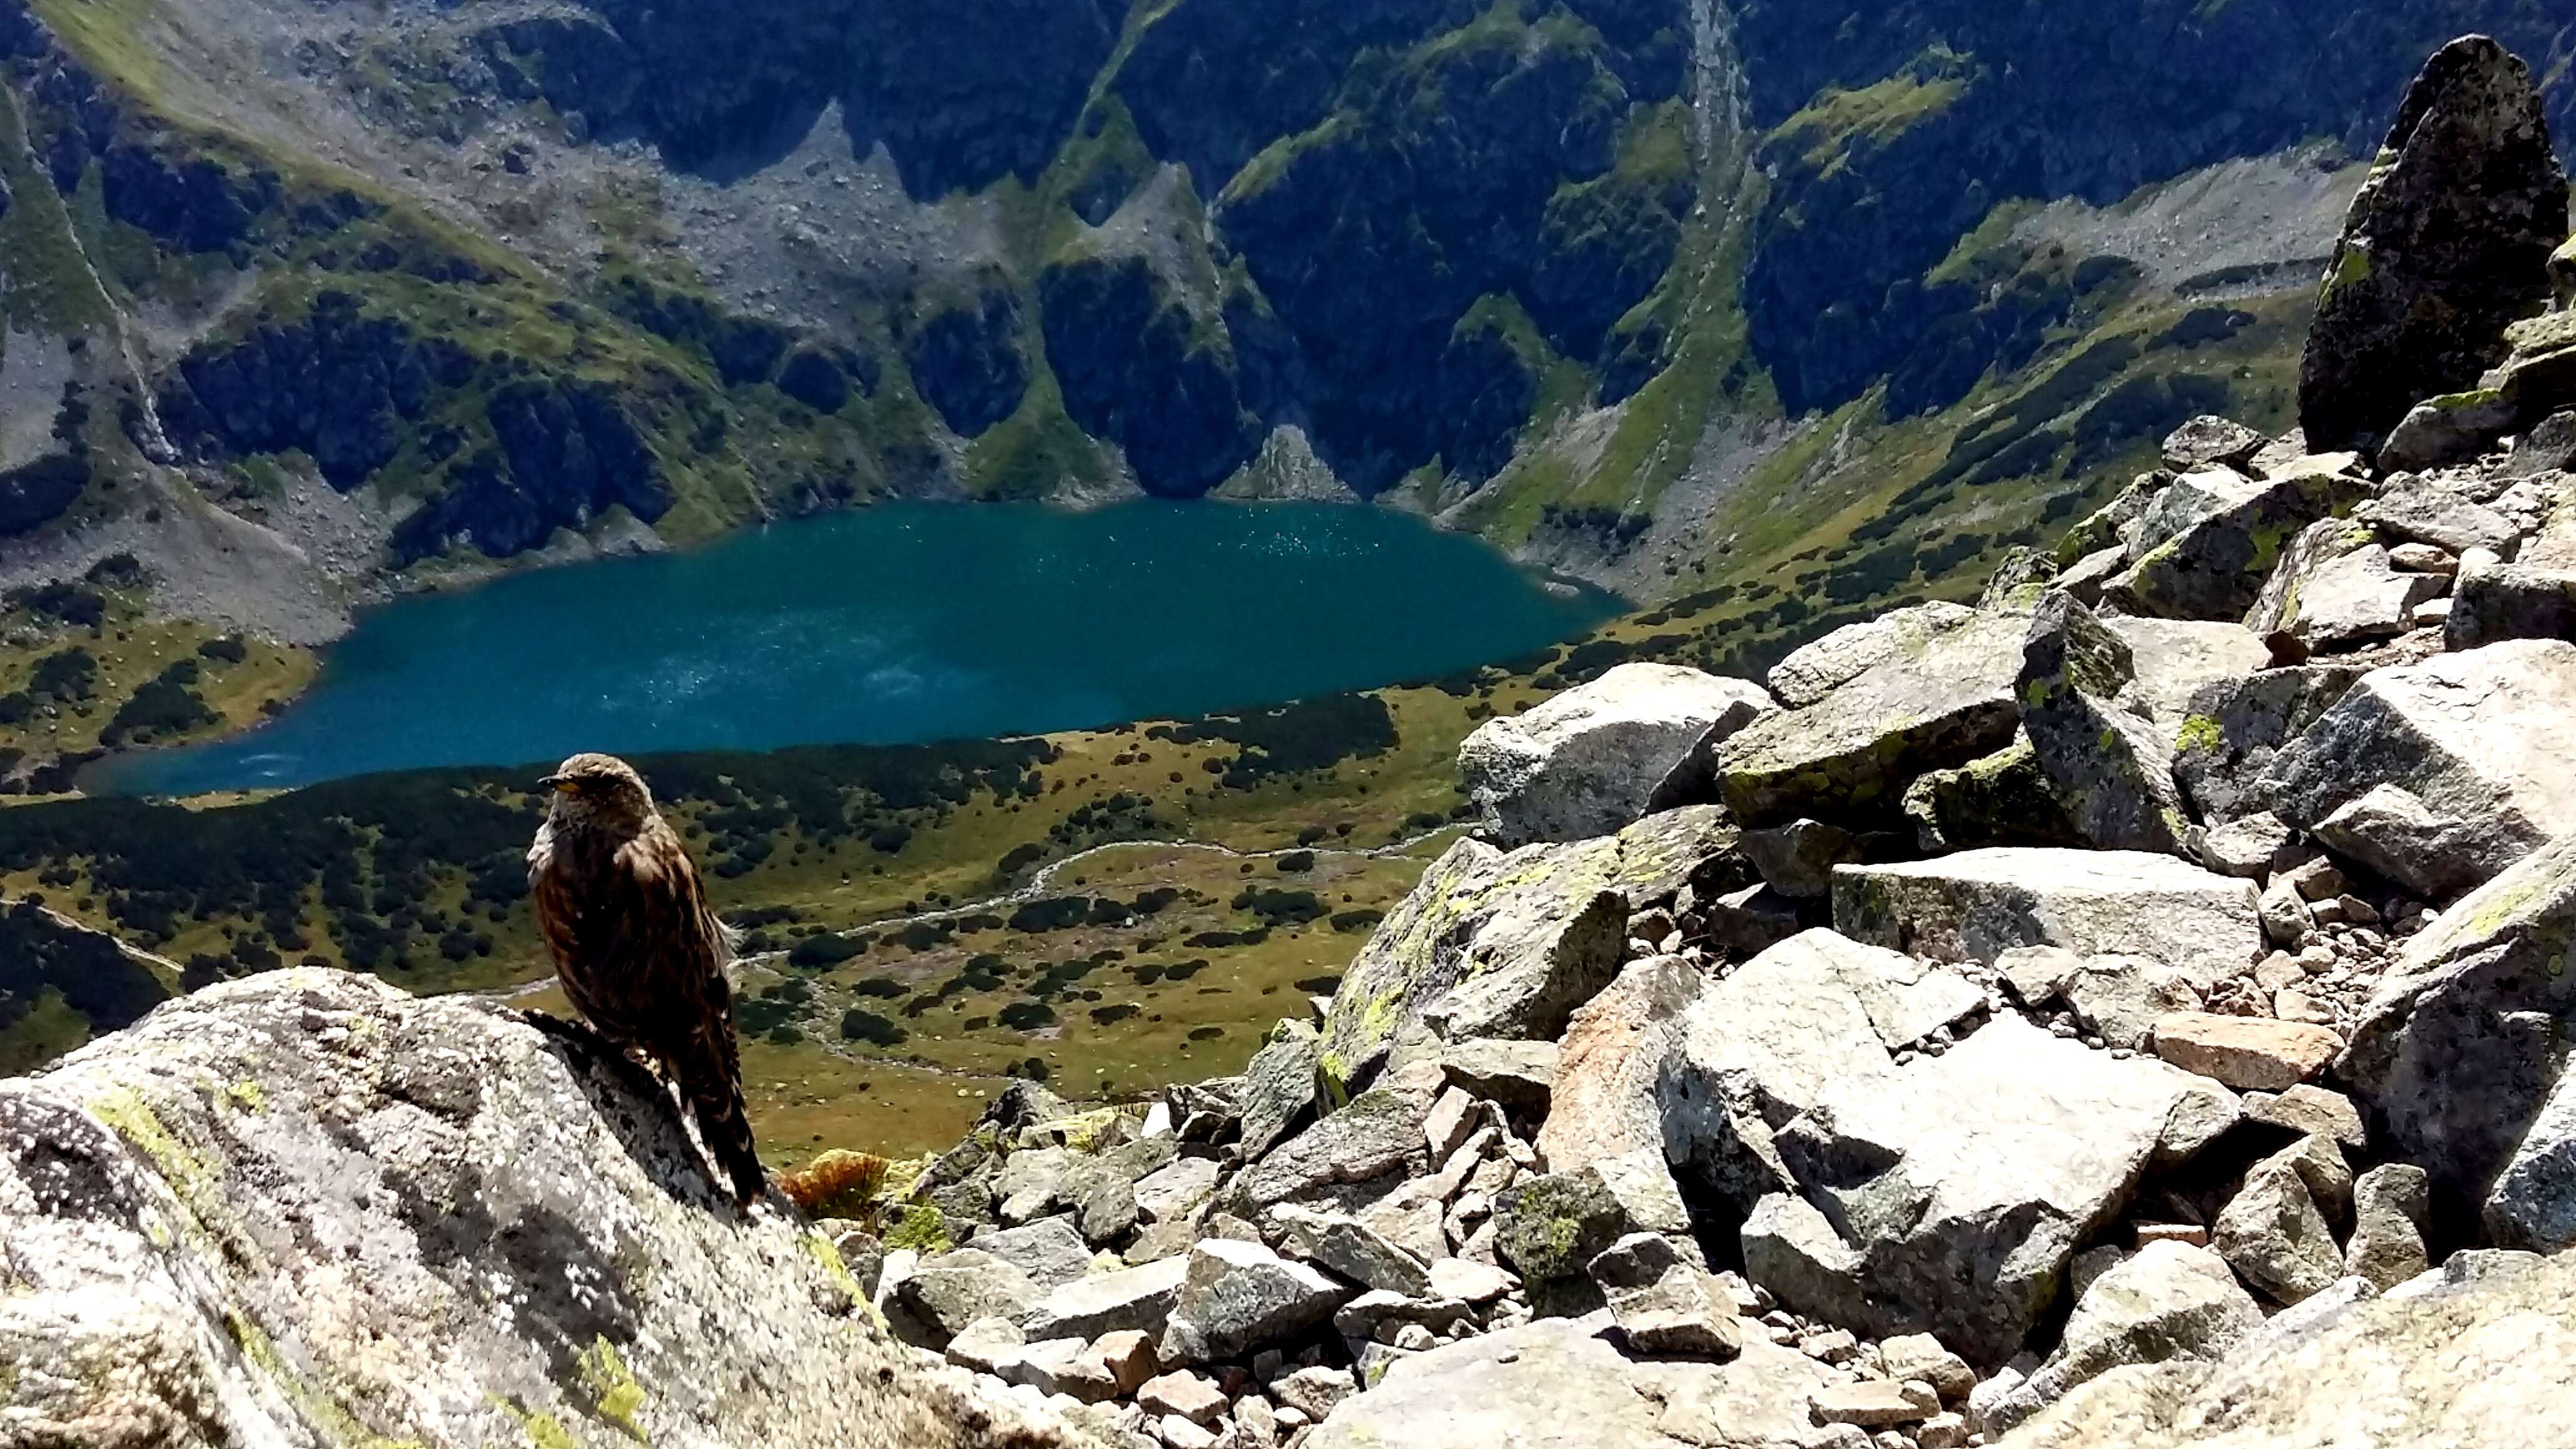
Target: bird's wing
[659, 931]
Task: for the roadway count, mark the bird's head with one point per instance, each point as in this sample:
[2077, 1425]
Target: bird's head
[598, 790]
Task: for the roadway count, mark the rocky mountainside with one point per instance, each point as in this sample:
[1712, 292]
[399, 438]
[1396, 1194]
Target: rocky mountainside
[304, 301]
[2129, 1011]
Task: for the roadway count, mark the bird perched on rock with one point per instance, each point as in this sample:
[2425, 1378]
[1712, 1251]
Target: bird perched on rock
[637, 948]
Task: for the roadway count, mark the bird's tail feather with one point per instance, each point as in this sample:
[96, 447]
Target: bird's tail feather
[714, 1090]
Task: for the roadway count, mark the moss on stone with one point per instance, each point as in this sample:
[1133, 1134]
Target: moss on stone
[920, 1228]
[2200, 733]
[615, 1396]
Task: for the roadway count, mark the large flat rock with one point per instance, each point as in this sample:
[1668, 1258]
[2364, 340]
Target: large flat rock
[1937, 701]
[2481, 738]
[1586, 762]
[1506, 945]
[1975, 906]
[1948, 1197]
[306, 1208]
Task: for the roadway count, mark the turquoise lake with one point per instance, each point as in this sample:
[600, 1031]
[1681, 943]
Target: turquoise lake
[900, 623]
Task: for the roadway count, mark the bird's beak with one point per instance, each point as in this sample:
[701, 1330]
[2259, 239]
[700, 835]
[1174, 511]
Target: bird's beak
[555, 782]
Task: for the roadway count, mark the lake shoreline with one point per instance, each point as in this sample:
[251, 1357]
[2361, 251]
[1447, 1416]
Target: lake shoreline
[1564, 608]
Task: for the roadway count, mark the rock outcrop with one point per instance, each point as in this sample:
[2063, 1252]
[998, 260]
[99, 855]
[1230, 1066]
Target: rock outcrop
[306, 1208]
[2447, 244]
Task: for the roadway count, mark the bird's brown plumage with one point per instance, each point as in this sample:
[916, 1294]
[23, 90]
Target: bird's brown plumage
[637, 948]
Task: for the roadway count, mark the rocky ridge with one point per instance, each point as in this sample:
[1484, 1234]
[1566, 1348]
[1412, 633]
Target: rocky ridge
[2123, 1012]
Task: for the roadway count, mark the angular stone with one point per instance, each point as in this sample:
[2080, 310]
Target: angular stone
[2247, 849]
[1553, 1382]
[1280, 1087]
[985, 1343]
[1494, 945]
[1349, 1247]
[2451, 429]
[1979, 904]
[2216, 568]
[2447, 243]
[2309, 1111]
[1607, 1100]
[2107, 528]
[1314, 1392]
[2274, 1236]
[2167, 1302]
[2003, 799]
[1137, 1298]
[1240, 1296]
[2236, 726]
[1818, 669]
[1127, 1355]
[1184, 1393]
[2120, 998]
[1587, 762]
[1179, 1433]
[2189, 499]
[2245, 1052]
[1743, 924]
[2502, 601]
[1920, 1232]
[2434, 856]
[2173, 660]
[2111, 771]
[1050, 1251]
[1798, 859]
[1171, 1192]
[1683, 1312]
[2459, 1047]
[2419, 512]
[1551, 1227]
[2211, 442]
[2391, 1206]
[1870, 1403]
[2037, 974]
[1454, 1115]
[949, 1292]
[1378, 1135]
[1921, 1356]
[1518, 1075]
[2533, 1204]
[2319, 1163]
[1938, 701]
[2086, 577]
[1469, 1282]
[2336, 589]
[2478, 737]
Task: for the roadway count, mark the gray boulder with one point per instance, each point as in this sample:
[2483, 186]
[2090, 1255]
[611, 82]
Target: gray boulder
[2336, 590]
[1560, 1382]
[2447, 243]
[2003, 799]
[2484, 1358]
[1975, 906]
[1237, 1296]
[1490, 945]
[1818, 669]
[2108, 527]
[1550, 1227]
[1344, 1245]
[2216, 567]
[1607, 1101]
[2173, 660]
[1588, 761]
[1137, 1299]
[1798, 859]
[1519, 1075]
[1376, 1140]
[2274, 1235]
[2211, 442]
[1281, 1087]
[2110, 770]
[2168, 1302]
[1051, 1251]
[2503, 601]
[2435, 856]
[1173, 1190]
[1683, 1311]
[2392, 1206]
[2479, 737]
[307, 1208]
[946, 1293]
[2458, 1048]
[1904, 1223]
[2533, 1204]
[1939, 700]
[2120, 998]
[2234, 728]
[2420, 512]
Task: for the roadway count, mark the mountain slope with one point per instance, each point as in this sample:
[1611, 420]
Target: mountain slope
[306, 303]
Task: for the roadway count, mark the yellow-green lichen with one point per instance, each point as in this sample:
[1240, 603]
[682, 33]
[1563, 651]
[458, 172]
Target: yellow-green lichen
[615, 1396]
[246, 1094]
[2200, 734]
[920, 1228]
[123, 1109]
